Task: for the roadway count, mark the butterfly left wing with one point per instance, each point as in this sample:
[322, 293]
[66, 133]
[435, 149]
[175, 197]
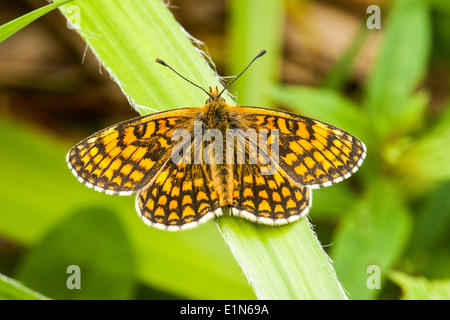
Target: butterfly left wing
[311, 152]
[124, 158]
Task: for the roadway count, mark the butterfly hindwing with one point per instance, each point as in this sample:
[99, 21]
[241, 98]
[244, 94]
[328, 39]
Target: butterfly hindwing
[180, 197]
[268, 199]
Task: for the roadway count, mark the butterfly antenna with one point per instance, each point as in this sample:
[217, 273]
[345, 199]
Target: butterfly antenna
[166, 65]
[263, 52]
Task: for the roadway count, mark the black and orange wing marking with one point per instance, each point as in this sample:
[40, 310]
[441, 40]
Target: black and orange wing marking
[181, 197]
[312, 153]
[270, 199]
[123, 158]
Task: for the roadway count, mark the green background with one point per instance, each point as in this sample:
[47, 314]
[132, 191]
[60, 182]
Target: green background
[394, 213]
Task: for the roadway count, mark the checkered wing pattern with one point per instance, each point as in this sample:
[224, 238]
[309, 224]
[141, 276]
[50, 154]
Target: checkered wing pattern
[181, 197]
[124, 158]
[312, 153]
[269, 199]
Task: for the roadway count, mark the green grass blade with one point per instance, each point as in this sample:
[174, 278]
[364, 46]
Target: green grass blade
[255, 25]
[127, 37]
[280, 262]
[10, 289]
[285, 262]
[12, 27]
[400, 65]
[340, 72]
[432, 223]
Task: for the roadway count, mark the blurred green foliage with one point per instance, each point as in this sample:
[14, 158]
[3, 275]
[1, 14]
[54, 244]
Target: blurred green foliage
[419, 288]
[93, 239]
[393, 214]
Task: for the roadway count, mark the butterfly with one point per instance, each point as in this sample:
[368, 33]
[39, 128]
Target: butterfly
[265, 175]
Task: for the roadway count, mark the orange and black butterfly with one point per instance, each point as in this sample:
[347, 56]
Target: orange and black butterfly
[175, 190]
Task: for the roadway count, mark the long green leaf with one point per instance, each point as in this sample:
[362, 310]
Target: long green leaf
[280, 262]
[340, 72]
[432, 224]
[12, 27]
[10, 289]
[400, 65]
[127, 37]
[285, 262]
[255, 25]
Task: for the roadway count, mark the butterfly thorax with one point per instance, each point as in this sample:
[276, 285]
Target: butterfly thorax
[217, 114]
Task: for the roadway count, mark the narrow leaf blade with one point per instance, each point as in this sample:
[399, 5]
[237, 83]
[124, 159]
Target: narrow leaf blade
[12, 27]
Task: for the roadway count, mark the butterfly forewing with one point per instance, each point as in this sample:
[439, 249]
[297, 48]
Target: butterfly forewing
[311, 152]
[122, 159]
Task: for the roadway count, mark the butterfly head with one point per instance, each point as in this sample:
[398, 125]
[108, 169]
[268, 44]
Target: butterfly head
[214, 95]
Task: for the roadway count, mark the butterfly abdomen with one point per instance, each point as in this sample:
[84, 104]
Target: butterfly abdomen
[222, 178]
[217, 115]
